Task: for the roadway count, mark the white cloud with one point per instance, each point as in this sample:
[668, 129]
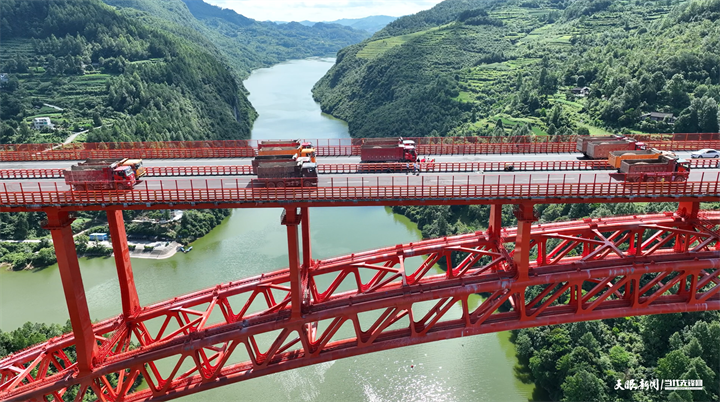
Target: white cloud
[322, 10]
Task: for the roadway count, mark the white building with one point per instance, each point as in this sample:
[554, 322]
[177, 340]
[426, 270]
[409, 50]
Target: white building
[40, 123]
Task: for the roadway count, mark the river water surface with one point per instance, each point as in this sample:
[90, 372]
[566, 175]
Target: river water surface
[250, 242]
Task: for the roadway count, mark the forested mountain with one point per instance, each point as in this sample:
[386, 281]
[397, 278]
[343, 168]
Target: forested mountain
[248, 44]
[142, 69]
[491, 67]
[370, 24]
[99, 67]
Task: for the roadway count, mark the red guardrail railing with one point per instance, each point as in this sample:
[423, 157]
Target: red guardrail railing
[168, 171]
[332, 147]
[31, 173]
[361, 189]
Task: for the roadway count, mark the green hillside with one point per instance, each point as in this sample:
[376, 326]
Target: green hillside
[99, 67]
[247, 44]
[481, 67]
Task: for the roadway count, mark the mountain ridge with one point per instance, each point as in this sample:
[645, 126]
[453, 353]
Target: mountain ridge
[370, 24]
[246, 43]
[485, 67]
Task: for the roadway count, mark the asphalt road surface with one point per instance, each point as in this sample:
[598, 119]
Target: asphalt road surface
[380, 180]
[320, 160]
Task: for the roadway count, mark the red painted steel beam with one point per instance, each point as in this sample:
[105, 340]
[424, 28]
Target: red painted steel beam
[350, 203]
[59, 226]
[128, 292]
[482, 320]
[246, 148]
[613, 274]
[306, 242]
[525, 214]
[291, 219]
[496, 189]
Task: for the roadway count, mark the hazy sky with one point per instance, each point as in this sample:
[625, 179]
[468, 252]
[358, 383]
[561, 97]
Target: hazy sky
[322, 10]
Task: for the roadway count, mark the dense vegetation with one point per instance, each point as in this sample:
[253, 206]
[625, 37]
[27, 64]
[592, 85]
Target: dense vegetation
[103, 68]
[584, 361]
[33, 333]
[482, 67]
[247, 44]
[146, 71]
[595, 361]
[28, 335]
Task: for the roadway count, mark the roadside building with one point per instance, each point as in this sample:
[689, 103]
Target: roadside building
[41, 123]
[581, 92]
[657, 116]
[98, 237]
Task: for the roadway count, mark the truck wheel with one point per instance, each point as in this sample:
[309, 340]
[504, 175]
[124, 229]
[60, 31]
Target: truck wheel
[281, 184]
[270, 185]
[80, 187]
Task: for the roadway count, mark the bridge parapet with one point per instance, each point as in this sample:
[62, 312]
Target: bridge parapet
[357, 191]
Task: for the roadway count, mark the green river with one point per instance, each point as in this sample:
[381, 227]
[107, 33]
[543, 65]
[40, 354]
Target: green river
[249, 242]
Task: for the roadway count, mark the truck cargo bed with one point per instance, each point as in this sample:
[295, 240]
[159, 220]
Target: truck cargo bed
[617, 157]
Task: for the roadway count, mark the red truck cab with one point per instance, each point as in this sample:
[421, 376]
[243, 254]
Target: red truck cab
[100, 177]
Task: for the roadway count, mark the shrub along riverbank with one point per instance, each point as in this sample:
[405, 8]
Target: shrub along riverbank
[157, 225]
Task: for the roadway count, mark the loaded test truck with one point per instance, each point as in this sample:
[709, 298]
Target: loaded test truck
[107, 175]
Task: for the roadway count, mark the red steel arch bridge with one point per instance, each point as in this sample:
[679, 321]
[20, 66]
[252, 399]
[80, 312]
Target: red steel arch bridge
[321, 310]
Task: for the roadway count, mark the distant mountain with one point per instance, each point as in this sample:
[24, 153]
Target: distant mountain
[246, 43]
[370, 24]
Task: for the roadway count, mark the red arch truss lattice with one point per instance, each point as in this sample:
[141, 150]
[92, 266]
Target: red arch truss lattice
[383, 299]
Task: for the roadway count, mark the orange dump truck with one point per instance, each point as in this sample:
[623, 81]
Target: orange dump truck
[135, 164]
[290, 148]
[584, 140]
[663, 169]
[101, 176]
[287, 173]
[600, 147]
[617, 157]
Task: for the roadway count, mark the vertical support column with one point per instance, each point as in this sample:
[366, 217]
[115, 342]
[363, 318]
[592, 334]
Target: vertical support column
[291, 220]
[526, 216]
[69, 267]
[689, 209]
[639, 243]
[306, 246]
[495, 224]
[631, 249]
[128, 292]
[306, 251]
